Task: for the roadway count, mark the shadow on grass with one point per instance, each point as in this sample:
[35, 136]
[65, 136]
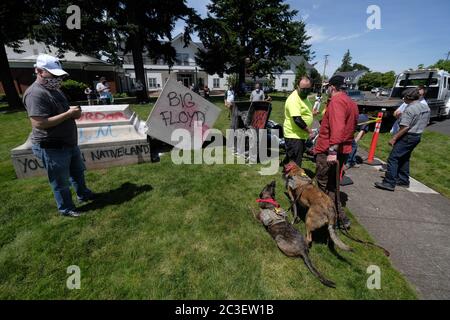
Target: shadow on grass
[124, 193]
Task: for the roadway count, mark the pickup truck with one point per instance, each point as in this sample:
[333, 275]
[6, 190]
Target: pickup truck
[437, 83]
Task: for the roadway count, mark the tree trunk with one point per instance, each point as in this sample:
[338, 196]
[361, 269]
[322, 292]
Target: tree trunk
[241, 82]
[139, 70]
[6, 78]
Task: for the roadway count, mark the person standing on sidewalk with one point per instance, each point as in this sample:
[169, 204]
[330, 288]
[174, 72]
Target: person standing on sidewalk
[297, 122]
[54, 135]
[413, 122]
[334, 143]
[361, 130]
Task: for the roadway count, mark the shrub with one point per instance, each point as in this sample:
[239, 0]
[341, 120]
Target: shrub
[120, 95]
[74, 90]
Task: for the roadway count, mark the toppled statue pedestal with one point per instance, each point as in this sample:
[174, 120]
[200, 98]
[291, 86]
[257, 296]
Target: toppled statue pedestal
[108, 136]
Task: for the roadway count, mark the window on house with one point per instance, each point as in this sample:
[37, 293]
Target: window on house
[216, 83]
[284, 83]
[182, 59]
[152, 83]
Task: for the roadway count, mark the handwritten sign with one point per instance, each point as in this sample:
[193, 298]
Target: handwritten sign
[180, 108]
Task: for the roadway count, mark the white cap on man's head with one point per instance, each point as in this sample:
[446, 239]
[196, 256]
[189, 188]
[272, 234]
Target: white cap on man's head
[51, 64]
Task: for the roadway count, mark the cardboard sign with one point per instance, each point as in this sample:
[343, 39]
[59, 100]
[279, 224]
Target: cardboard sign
[179, 108]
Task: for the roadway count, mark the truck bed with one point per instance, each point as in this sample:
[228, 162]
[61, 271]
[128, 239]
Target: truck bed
[372, 106]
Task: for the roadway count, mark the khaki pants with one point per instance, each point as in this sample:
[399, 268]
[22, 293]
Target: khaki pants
[326, 178]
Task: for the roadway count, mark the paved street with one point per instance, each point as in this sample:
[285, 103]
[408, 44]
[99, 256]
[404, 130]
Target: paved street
[442, 126]
[414, 225]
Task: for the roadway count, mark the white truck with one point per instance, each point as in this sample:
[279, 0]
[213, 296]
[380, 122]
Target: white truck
[436, 81]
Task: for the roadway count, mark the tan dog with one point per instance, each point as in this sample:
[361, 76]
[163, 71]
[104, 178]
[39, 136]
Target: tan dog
[321, 209]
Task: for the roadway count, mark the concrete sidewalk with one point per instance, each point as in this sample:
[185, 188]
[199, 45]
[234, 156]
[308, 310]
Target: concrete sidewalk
[413, 224]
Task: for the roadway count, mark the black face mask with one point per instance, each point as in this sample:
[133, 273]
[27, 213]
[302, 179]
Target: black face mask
[304, 92]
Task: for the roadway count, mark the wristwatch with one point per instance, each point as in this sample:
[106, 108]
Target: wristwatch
[332, 151]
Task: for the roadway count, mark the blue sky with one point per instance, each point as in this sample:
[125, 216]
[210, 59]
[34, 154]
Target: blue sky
[412, 31]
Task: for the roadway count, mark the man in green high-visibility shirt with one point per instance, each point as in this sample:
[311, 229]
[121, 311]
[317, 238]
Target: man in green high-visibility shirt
[298, 120]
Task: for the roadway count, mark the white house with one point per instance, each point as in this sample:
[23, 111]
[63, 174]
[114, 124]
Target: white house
[187, 71]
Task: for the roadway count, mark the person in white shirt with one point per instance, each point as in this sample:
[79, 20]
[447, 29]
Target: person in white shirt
[88, 93]
[317, 104]
[229, 101]
[257, 94]
[104, 91]
[401, 109]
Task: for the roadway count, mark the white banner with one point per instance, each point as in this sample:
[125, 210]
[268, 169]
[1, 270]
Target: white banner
[180, 108]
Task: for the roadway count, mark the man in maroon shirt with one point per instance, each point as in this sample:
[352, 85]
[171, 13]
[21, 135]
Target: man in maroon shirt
[335, 139]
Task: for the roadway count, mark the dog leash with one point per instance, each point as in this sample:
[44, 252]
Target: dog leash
[345, 230]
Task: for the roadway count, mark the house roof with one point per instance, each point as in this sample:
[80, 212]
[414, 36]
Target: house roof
[297, 60]
[351, 74]
[31, 49]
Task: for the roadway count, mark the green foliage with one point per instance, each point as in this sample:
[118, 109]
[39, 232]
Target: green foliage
[442, 65]
[74, 90]
[377, 79]
[299, 73]
[346, 63]
[232, 80]
[120, 95]
[316, 78]
[358, 66]
[252, 36]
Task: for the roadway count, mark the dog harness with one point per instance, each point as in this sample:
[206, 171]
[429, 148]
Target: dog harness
[270, 217]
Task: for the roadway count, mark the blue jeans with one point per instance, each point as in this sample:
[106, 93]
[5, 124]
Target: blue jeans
[64, 167]
[352, 156]
[398, 161]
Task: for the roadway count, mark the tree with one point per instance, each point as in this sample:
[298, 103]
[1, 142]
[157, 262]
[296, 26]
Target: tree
[316, 78]
[388, 79]
[15, 25]
[442, 65]
[143, 24]
[346, 63]
[46, 21]
[299, 73]
[376, 79]
[357, 66]
[252, 36]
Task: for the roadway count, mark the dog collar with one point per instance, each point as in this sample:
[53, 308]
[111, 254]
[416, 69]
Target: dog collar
[288, 168]
[271, 201]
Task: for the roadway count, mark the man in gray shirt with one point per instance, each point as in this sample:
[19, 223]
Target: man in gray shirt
[54, 134]
[257, 94]
[414, 120]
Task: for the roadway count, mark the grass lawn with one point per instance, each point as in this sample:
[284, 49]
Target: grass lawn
[429, 161]
[162, 231]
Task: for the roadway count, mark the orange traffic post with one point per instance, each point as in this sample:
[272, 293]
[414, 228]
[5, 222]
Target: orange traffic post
[373, 146]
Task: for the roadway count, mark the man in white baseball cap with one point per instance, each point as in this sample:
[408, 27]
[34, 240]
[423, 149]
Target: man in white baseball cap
[50, 64]
[54, 136]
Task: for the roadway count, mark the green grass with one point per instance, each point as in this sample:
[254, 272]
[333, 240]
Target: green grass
[162, 231]
[429, 161]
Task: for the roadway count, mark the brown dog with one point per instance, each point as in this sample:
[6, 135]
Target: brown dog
[289, 240]
[321, 209]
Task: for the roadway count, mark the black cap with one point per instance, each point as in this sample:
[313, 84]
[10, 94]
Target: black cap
[337, 81]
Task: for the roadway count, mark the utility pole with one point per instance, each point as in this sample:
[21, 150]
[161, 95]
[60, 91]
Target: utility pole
[448, 56]
[324, 68]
